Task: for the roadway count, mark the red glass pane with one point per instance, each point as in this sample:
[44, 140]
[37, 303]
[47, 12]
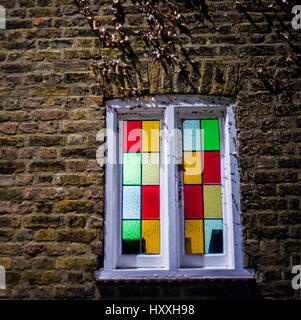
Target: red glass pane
[132, 136]
[212, 168]
[193, 202]
[150, 202]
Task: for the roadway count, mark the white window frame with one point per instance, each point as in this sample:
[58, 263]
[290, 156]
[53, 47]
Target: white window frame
[172, 263]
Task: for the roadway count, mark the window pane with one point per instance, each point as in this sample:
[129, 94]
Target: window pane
[193, 206]
[131, 236]
[150, 202]
[151, 236]
[210, 134]
[132, 168]
[202, 187]
[150, 168]
[150, 136]
[212, 201]
[194, 240]
[132, 136]
[192, 167]
[211, 168]
[213, 235]
[141, 188]
[131, 202]
[191, 135]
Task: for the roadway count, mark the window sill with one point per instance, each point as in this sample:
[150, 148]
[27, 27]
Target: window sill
[167, 275]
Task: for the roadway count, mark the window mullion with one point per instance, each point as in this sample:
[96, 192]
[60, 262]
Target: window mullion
[112, 175]
[170, 186]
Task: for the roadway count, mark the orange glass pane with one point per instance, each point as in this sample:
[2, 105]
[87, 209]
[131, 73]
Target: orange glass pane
[194, 238]
[150, 234]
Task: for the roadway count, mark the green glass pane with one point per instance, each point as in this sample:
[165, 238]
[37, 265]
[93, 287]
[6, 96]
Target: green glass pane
[210, 133]
[132, 168]
[131, 229]
[131, 242]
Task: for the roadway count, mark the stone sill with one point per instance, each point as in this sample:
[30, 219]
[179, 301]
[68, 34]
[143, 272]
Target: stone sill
[182, 275]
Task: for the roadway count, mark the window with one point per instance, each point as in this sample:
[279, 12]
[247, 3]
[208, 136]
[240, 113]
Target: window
[172, 190]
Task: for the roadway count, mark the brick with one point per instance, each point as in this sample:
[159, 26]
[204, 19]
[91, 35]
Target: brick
[8, 128]
[11, 194]
[11, 167]
[76, 126]
[9, 221]
[44, 235]
[75, 206]
[28, 127]
[24, 179]
[51, 114]
[76, 153]
[78, 114]
[32, 248]
[9, 153]
[41, 221]
[76, 139]
[73, 292]
[6, 180]
[6, 234]
[75, 263]
[97, 248]
[11, 141]
[76, 165]
[76, 235]
[46, 166]
[23, 207]
[5, 207]
[44, 278]
[45, 140]
[26, 153]
[76, 221]
[11, 249]
[17, 115]
[43, 262]
[48, 153]
[44, 193]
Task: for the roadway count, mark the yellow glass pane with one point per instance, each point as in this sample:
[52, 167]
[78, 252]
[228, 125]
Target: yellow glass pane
[150, 236]
[193, 167]
[194, 239]
[150, 136]
[150, 168]
[212, 201]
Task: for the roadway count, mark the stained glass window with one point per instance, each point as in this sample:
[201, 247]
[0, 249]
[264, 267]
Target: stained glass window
[203, 224]
[141, 187]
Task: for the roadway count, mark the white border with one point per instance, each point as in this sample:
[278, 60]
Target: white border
[170, 105]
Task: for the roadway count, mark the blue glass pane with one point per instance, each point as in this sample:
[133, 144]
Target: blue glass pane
[191, 135]
[131, 202]
[213, 235]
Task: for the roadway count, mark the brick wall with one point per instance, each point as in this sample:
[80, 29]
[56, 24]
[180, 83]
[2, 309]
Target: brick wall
[51, 107]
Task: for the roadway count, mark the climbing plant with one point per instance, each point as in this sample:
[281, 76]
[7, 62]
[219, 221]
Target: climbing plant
[163, 41]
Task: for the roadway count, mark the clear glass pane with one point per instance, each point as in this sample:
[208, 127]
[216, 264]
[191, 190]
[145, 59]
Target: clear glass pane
[213, 235]
[131, 202]
[191, 135]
